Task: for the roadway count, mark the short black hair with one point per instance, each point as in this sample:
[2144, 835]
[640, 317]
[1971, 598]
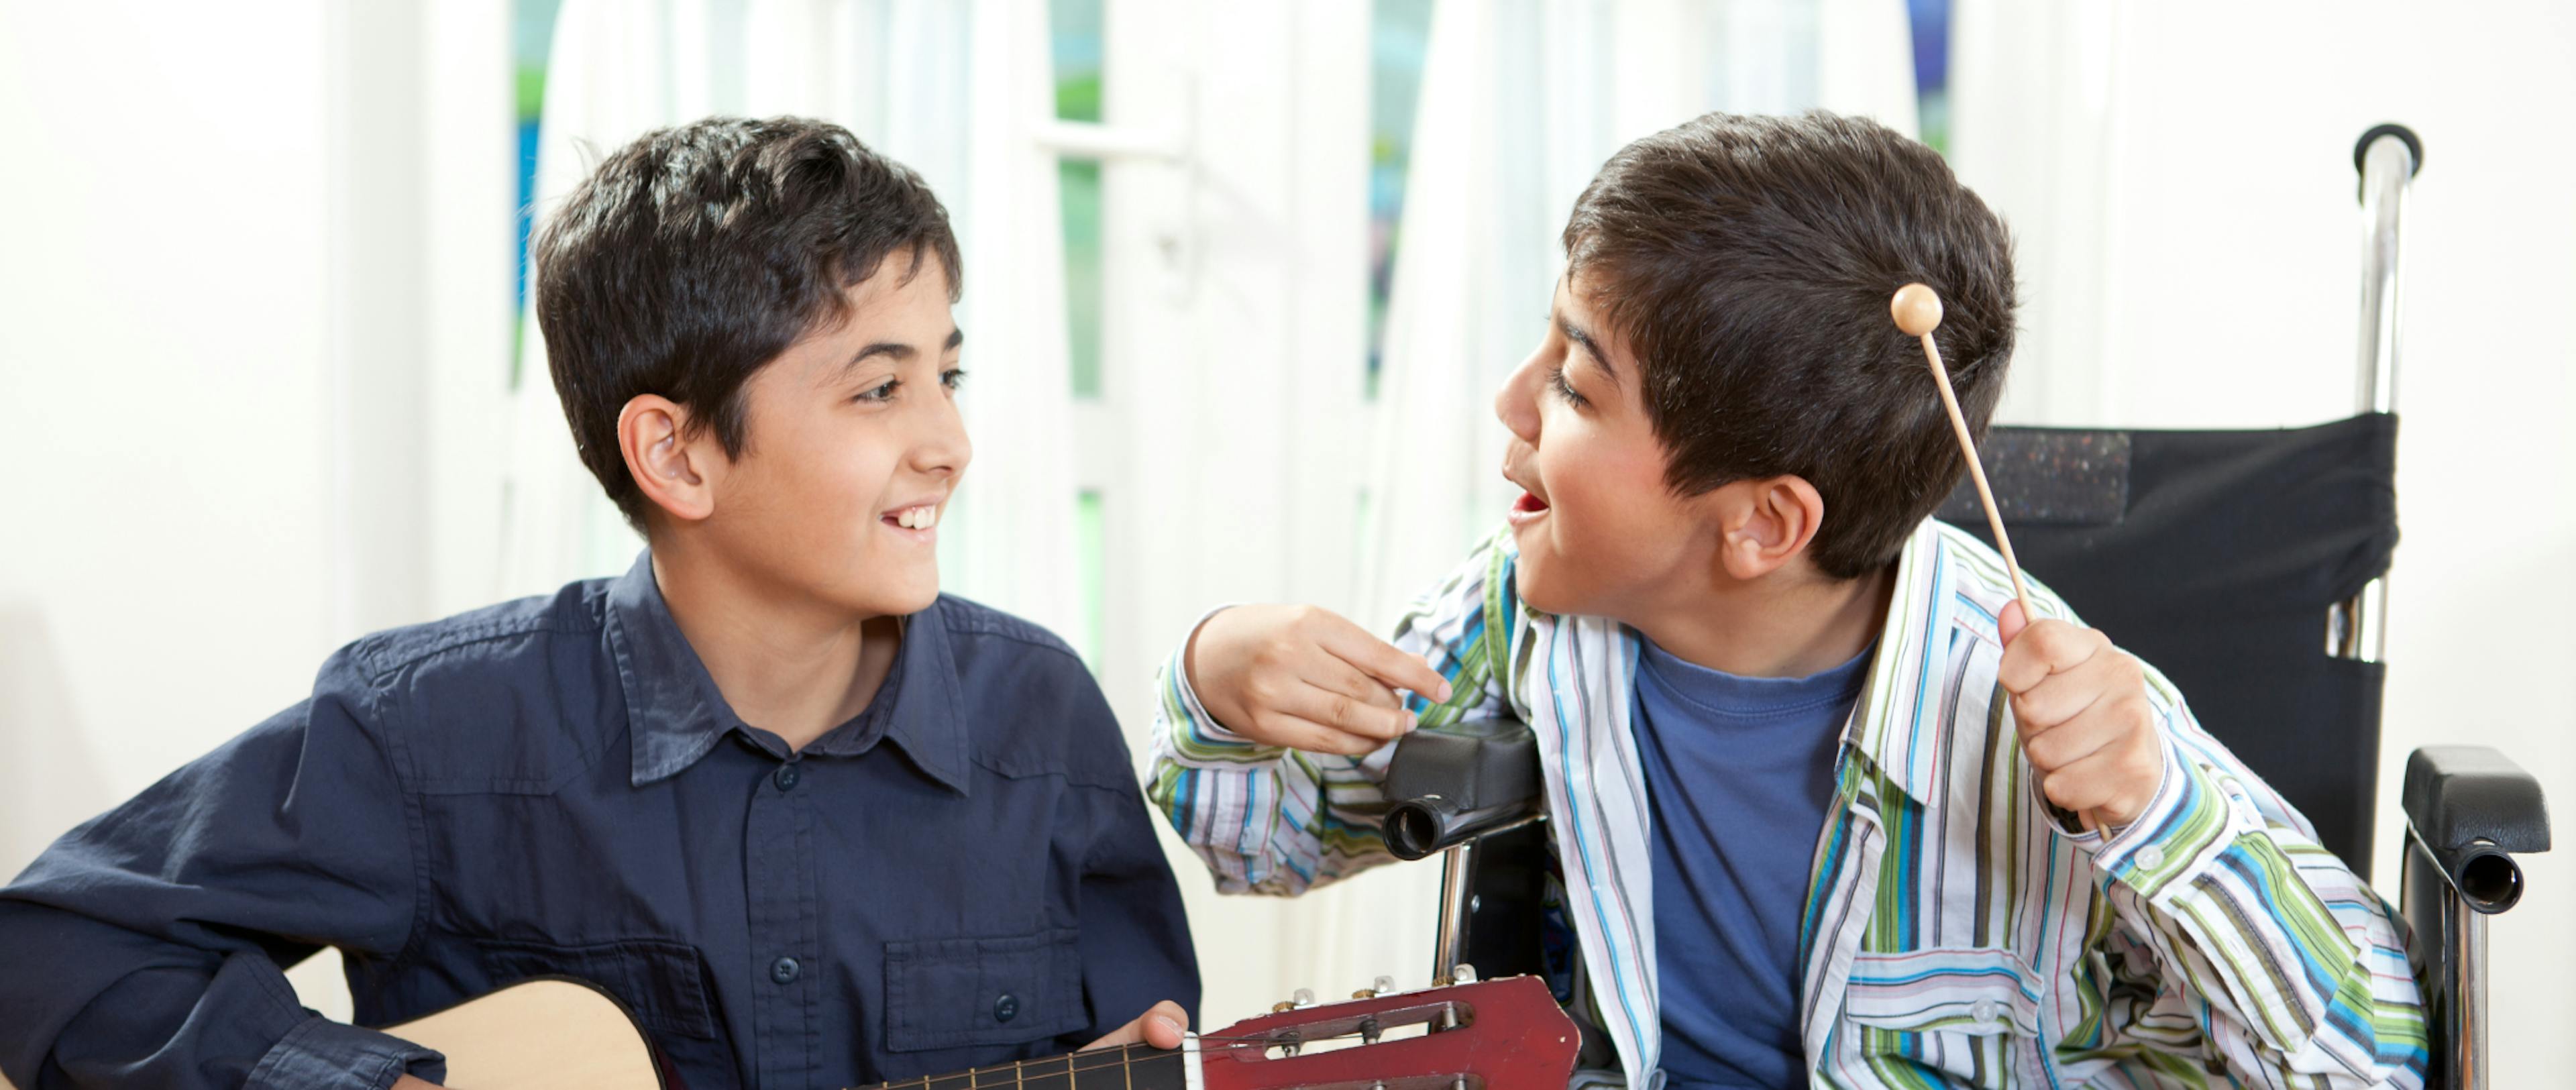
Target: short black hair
[1748, 263]
[697, 254]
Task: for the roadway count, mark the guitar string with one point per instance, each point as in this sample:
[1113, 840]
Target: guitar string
[1126, 1058]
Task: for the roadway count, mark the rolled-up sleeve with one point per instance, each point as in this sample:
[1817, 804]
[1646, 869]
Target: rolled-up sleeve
[2284, 959]
[145, 946]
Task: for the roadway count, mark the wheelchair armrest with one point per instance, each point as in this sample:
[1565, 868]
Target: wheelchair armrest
[2471, 808]
[1454, 783]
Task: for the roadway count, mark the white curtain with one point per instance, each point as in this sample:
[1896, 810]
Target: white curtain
[953, 90]
[1521, 102]
[2035, 120]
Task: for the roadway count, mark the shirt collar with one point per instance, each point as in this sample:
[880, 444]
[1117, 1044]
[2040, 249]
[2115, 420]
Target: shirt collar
[1895, 722]
[675, 714]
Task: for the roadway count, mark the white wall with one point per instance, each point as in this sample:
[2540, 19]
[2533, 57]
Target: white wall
[162, 330]
[237, 294]
[2227, 253]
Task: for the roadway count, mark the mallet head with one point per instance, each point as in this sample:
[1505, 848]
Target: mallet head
[1917, 309]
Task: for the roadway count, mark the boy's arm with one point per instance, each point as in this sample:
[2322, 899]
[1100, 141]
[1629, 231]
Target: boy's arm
[1270, 819]
[1137, 961]
[2228, 913]
[144, 947]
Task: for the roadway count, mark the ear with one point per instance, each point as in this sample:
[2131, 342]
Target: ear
[1764, 524]
[675, 468]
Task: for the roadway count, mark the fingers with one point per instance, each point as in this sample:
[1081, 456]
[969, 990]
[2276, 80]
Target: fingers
[1335, 675]
[2046, 647]
[2061, 696]
[1305, 678]
[2114, 783]
[1161, 1027]
[2009, 621]
[1373, 723]
[1380, 659]
[2105, 722]
[1307, 736]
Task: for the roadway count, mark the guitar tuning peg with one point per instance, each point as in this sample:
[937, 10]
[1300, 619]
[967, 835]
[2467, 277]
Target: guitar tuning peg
[1380, 986]
[1302, 997]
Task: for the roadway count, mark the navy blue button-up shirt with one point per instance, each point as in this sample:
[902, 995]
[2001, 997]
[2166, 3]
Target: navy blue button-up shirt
[963, 874]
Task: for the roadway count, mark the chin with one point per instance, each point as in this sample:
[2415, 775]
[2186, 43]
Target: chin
[1530, 582]
[908, 602]
[879, 593]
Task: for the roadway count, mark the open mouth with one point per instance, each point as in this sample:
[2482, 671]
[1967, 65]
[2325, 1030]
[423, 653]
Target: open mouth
[917, 517]
[1529, 504]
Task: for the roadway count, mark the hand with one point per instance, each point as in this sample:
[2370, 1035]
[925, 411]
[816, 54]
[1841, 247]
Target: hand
[1304, 678]
[1159, 1027]
[2085, 721]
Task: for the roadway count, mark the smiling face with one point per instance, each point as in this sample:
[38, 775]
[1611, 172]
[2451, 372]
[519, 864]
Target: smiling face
[855, 447]
[1599, 530]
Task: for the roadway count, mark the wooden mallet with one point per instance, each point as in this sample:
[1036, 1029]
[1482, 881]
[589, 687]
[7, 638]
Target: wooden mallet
[1918, 312]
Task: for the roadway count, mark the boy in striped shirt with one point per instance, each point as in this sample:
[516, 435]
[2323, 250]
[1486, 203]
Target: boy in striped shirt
[1813, 777]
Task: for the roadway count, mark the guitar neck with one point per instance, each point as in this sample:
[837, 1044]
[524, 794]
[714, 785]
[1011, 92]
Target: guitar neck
[1130, 1067]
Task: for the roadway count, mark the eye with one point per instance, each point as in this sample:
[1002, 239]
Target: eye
[953, 377]
[1564, 389]
[881, 392]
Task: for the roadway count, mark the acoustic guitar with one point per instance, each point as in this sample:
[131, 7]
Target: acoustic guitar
[562, 1034]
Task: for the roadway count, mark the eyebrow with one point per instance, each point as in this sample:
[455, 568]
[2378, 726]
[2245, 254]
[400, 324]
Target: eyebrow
[899, 351]
[1591, 347]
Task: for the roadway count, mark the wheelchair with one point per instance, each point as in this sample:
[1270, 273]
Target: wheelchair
[2250, 566]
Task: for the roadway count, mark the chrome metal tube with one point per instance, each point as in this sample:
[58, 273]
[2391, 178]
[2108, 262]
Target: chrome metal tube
[2386, 169]
[2358, 628]
[1450, 948]
[2468, 935]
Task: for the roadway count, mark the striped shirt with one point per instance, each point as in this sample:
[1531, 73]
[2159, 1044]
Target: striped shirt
[1957, 932]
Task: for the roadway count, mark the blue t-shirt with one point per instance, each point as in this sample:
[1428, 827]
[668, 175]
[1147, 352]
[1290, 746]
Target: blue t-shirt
[1740, 772]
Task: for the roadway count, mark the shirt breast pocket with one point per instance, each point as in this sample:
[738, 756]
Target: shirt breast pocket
[965, 992]
[1963, 1010]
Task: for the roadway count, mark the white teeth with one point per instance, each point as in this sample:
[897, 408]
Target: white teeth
[929, 517]
[917, 518]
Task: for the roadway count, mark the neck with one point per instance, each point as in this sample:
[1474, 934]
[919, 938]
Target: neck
[1126, 1067]
[782, 661]
[1792, 622]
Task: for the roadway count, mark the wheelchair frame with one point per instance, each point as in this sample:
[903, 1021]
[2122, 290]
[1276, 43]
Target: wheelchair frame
[2468, 809]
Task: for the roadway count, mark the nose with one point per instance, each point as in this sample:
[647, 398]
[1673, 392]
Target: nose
[942, 447]
[1516, 404]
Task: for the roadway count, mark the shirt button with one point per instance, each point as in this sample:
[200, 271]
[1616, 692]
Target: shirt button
[785, 970]
[1983, 1011]
[786, 777]
[1006, 1008]
[2150, 857]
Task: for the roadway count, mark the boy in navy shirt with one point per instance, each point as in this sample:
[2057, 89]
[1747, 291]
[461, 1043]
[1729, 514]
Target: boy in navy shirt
[814, 823]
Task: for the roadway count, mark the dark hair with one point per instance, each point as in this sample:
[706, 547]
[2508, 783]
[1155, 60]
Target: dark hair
[697, 254]
[1748, 263]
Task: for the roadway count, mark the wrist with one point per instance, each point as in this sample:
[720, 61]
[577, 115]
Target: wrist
[1212, 708]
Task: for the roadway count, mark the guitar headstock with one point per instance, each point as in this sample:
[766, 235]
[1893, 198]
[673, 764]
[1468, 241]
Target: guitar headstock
[1496, 1035]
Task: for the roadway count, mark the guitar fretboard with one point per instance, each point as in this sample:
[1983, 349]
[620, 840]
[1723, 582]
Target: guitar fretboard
[1131, 1067]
